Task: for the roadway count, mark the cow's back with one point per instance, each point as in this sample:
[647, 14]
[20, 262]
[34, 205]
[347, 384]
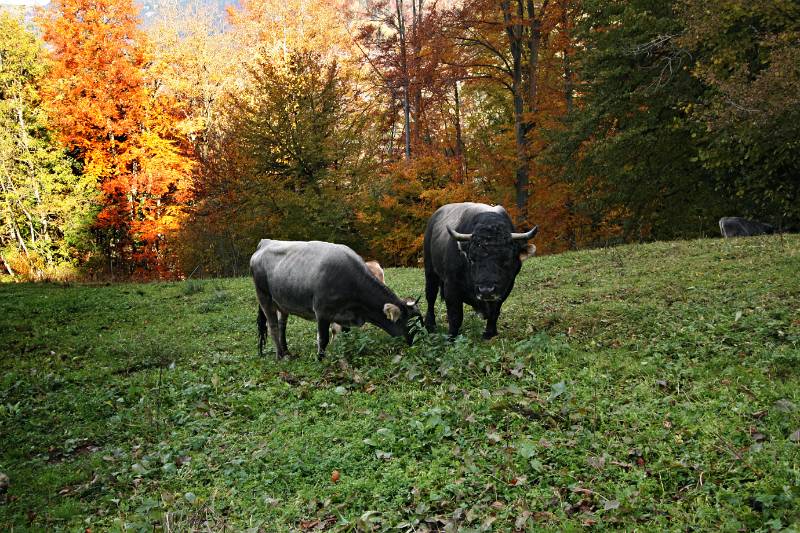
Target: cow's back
[297, 273]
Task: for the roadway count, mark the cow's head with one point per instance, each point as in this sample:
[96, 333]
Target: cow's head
[405, 318]
[495, 256]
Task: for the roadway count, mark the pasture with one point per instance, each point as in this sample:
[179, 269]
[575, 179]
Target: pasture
[647, 387]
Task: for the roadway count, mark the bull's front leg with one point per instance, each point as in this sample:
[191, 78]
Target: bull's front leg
[432, 284]
[455, 311]
[323, 336]
[492, 314]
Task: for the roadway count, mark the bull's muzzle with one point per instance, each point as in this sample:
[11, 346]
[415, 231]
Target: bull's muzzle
[487, 293]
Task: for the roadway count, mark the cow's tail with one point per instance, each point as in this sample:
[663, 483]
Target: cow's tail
[262, 331]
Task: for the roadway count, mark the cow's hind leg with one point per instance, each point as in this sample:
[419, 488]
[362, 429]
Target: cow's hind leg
[432, 283]
[270, 313]
[283, 317]
[323, 337]
[261, 321]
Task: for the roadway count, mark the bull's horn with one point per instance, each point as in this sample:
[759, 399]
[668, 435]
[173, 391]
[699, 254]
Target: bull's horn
[525, 236]
[458, 236]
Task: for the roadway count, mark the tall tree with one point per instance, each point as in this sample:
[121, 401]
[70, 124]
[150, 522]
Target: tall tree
[629, 147]
[748, 54]
[43, 206]
[107, 115]
[504, 40]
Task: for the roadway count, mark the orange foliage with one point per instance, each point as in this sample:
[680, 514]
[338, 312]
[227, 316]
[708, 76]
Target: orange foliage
[118, 129]
[397, 205]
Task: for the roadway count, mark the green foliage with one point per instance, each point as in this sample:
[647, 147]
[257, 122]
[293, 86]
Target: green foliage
[289, 161]
[748, 53]
[690, 112]
[645, 387]
[629, 145]
[44, 206]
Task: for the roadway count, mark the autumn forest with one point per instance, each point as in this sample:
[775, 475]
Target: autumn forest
[166, 149]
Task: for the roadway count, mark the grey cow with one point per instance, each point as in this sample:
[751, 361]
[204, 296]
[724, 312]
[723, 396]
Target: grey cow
[326, 283]
[741, 227]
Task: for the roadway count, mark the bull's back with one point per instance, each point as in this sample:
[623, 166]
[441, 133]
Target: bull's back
[457, 216]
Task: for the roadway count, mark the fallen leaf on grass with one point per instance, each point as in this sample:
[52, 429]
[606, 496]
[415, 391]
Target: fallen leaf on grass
[335, 476]
[610, 505]
[494, 437]
[522, 519]
[596, 462]
[795, 437]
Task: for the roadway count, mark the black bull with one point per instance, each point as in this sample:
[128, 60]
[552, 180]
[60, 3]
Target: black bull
[472, 255]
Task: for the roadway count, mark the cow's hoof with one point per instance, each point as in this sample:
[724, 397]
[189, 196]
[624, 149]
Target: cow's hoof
[320, 356]
[488, 335]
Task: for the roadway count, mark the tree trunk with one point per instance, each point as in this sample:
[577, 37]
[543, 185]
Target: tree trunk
[568, 77]
[462, 163]
[401, 28]
[514, 32]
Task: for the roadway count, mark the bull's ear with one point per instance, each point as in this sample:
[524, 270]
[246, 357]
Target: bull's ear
[527, 251]
[392, 312]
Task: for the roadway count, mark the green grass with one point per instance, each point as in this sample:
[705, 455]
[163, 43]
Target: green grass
[652, 387]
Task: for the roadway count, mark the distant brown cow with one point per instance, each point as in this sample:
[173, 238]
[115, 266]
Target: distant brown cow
[375, 268]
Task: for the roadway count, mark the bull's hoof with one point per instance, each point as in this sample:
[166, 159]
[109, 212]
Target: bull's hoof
[488, 335]
[430, 327]
[320, 356]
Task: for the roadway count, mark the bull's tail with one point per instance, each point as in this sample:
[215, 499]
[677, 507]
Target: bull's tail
[262, 331]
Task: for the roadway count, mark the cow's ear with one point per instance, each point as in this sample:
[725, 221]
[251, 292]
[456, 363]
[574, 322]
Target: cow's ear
[527, 251]
[392, 312]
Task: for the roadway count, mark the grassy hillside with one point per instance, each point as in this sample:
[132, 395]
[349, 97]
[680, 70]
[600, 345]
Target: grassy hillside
[644, 387]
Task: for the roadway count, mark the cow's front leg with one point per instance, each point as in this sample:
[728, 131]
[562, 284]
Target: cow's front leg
[323, 336]
[492, 314]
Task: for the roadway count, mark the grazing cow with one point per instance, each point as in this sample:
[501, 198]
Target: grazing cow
[741, 227]
[323, 282]
[472, 256]
[376, 270]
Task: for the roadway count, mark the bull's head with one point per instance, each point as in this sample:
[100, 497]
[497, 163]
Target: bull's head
[494, 256]
[405, 318]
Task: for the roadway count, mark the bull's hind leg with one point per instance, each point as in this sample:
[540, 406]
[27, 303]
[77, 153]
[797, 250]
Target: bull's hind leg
[268, 308]
[432, 284]
[455, 311]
